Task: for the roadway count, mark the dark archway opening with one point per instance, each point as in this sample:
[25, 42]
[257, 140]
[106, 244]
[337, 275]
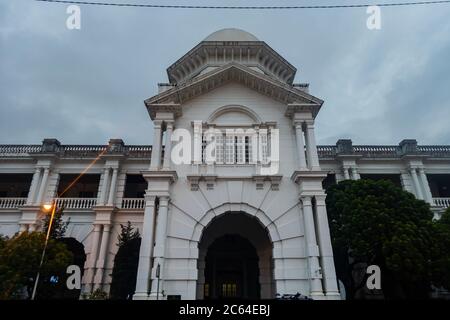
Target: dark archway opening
[235, 259]
[55, 285]
[79, 258]
[231, 269]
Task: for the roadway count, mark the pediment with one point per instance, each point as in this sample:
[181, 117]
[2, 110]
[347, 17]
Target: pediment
[237, 73]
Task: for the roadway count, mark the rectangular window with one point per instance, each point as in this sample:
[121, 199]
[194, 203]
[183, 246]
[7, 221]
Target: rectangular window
[229, 149]
[219, 148]
[240, 149]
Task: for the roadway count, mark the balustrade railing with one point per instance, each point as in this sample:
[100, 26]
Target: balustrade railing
[436, 151]
[144, 151]
[376, 150]
[442, 202]
[76, 203]
[133, 203]
[12, 203]
[18, 149]
[326, 151]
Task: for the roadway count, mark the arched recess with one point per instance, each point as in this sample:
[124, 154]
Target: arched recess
[79, 258]
[236, 224]
[253, 117]
[245, 208]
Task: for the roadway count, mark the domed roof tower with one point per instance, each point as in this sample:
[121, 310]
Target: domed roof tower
[231, 46]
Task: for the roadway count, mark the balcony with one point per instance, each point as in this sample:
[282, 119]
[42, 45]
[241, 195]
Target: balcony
[12, 203]
[133, 203]
[441, 202]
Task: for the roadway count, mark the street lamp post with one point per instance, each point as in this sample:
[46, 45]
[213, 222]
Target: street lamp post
[47, 208]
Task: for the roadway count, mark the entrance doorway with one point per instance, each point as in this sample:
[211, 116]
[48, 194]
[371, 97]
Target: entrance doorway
[231, 269]
[235, 259]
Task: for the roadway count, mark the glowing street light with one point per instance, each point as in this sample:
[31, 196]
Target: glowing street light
[47, 207]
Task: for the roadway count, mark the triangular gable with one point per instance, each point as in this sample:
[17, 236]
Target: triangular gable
[234, 72]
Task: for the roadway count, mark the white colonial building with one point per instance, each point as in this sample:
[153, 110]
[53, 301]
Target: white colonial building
[243, 224]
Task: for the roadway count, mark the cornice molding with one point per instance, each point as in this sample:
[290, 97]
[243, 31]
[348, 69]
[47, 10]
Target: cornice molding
[222, 52]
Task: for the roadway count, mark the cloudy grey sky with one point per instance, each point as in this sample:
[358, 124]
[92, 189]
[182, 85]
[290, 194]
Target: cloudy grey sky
[86, 86]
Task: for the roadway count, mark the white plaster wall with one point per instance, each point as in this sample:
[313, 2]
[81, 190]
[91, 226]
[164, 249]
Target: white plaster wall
[278, 211]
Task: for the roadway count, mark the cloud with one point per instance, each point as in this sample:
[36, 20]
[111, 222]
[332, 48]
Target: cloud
[87, 86]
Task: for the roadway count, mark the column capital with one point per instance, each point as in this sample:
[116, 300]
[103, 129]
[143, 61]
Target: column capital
[150, 198]
[320, 199]
[169, 124]
[309, 123]
[298, 124]
[164, 201]
[413, 168]
[306, 200]
[157, 124]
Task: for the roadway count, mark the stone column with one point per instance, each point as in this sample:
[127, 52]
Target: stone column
[146, 250]
[355, 174]
[168, 146]
[34, 186]
[346, 173]
[156, 149]
[311, 148]
[425, 186]
[326, 251]
[43, 186]
[160, 245]
[312, 250]
[100, 265]
[105, 183]
[416, 183]
[112, 189]
[300, 146]
[92, 258]
[405, 179]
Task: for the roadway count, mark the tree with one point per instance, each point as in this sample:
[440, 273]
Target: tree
[19, 263]
[3, 240]
[125, 263]
[441, 263]
[59, 227]
[375, 222]
[127, 234]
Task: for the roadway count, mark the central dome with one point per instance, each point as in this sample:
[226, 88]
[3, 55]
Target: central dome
[231, 34]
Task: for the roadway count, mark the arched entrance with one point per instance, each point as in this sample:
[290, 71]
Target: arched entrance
[79, 258]
[235, 259]
[231, 269]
